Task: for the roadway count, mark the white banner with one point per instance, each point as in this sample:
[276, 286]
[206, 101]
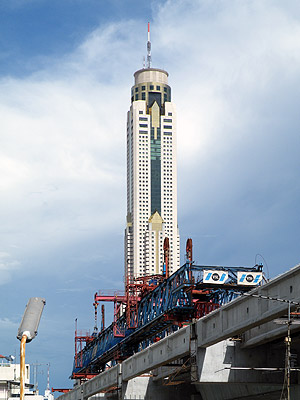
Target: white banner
[215, 276]
[249, 278]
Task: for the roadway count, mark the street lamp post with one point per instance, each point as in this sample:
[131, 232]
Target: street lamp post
[28, 331]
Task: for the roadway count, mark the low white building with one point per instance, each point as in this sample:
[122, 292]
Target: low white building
[10, 382]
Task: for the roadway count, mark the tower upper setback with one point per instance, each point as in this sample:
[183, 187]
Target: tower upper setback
[151, 176]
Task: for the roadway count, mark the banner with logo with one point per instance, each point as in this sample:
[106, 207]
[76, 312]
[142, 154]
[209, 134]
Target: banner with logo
[215, 276]
[249, 278]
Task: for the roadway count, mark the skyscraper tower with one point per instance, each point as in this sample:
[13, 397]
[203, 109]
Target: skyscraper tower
[151, 174]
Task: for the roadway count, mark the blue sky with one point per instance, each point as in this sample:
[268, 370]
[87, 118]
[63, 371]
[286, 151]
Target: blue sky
[45, 29]
[66, 69]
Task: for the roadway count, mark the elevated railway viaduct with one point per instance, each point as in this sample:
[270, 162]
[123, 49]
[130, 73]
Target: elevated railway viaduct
[235, 352]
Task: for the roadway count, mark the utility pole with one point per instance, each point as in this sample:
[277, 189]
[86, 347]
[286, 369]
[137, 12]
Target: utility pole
[288, 353]
[35, 373]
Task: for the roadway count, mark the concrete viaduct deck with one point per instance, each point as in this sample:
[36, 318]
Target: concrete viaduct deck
[241, 316]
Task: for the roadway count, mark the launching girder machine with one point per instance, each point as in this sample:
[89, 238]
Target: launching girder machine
[155, 306]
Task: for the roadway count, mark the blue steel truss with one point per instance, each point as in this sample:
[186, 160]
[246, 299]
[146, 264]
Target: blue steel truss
[164, 309]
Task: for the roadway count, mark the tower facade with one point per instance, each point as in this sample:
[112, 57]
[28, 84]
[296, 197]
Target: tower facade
[151, 176]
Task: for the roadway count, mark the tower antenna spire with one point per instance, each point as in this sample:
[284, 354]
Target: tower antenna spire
[148, 48]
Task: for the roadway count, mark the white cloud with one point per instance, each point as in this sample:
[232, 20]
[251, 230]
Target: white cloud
[63, 129]
[234, 69]
[61, 159]
[226, 56]
[8, 267]
[7, 323]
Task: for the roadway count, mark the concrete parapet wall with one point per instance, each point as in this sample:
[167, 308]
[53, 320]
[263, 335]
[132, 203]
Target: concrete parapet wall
[103, 381]
[168, 349]
[246, 312]
[100, 383]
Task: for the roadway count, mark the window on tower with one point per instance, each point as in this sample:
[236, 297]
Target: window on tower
[154, 96]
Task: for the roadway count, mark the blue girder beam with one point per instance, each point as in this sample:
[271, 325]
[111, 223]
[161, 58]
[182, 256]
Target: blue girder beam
[170, 303]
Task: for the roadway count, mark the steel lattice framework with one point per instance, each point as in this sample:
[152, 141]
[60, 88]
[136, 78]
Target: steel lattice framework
[153, 307]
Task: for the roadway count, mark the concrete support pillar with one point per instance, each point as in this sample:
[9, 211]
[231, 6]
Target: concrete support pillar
[135, 389]
[119, 384]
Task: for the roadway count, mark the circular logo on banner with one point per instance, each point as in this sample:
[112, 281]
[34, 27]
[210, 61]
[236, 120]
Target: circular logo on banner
[215, 277]
[249, 278]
